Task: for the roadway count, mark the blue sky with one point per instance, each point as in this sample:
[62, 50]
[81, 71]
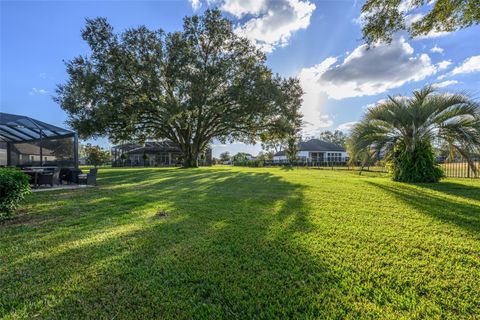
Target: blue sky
[317, 41]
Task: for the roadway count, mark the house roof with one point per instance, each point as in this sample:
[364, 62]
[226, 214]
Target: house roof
[15, 128]
[315, 145]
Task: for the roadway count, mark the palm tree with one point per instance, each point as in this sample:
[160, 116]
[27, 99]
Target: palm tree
[403, 130]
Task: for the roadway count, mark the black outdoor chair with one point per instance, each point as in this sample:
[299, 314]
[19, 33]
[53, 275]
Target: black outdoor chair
[69, 175]
[64, 175]
[50, 177]
[90, 179]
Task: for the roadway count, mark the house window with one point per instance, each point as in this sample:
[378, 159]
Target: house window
[334, 157]
[163, 158]
[317, 156]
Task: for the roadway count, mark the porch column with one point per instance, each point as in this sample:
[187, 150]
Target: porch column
[169, 158]
[9, 154]
[41, 147]
[75, 150]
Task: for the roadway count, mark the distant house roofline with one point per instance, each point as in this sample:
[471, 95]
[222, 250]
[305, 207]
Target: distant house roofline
[315, 145]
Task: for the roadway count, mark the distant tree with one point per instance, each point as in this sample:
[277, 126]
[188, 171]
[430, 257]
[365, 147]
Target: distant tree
[287, 128]
[262, 155]
[382, 18]
[291, 149]
[192, 86]
[95, 155]
[225, 156]
[81, 150]
[359, 156]
[337, 137]
[240, 156]
[403, 129]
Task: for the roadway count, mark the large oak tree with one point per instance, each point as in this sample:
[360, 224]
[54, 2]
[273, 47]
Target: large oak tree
[191, 86]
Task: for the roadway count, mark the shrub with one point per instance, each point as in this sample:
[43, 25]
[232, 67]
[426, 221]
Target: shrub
[414, 166]
[14, 185]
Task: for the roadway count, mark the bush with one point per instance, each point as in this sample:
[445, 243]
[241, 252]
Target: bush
[414, 166]
[14, 185]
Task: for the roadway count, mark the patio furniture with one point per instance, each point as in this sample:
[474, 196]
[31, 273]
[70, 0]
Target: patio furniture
[89, 179]
[49, 177]
[33, 177]
[69, 175]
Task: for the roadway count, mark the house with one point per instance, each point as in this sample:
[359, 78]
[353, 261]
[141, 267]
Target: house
[153, 153]
[316, 150]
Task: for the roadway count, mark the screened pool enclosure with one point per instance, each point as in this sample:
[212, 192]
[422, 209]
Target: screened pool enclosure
[28, 142]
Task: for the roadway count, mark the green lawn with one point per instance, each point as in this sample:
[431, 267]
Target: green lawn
[244, 243]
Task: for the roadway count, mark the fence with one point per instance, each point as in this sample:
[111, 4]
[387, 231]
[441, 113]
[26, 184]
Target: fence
[458, 168]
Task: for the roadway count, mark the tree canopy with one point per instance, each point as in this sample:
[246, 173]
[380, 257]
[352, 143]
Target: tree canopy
[382, 18]
[336, 137]
[190, 86]
[225, 156]
[95, 155]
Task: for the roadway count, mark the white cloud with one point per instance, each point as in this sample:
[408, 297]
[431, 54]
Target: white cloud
[470, 65]
[325, 121]
[37, 91]
[347, 126]
[444, 84]
[436, 49]
[196, 4]
[371, 105]
[442, 65]
[432, 34]
[43, 75]
[412, 18]
[406, 6]
[239, 8]
[313, 99]
[270, 23]
[368, 72]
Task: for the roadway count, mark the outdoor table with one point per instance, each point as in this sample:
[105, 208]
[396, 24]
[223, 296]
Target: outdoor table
[34, 173]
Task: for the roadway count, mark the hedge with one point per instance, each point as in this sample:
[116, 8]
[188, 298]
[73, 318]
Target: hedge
[14, 185]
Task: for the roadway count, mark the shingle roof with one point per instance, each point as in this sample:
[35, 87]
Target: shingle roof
[315, 145]
[319, 145]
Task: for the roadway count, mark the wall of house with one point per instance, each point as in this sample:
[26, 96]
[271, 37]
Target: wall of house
[305, 155]
[279, 158]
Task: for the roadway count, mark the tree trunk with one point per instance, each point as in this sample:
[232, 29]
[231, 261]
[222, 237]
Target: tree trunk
[190, 159]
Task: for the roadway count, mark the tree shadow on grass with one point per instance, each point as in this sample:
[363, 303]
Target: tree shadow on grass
[226, 249]
[465, 215]
[470, 191]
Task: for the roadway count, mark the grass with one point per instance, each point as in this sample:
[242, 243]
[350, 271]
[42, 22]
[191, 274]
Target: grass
[244, 243]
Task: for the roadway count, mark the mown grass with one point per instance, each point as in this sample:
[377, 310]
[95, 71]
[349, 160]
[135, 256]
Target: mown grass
[244, 243]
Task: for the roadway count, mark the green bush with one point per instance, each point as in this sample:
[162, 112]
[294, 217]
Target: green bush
[248, 163]
[14, 185]
[414, 166]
